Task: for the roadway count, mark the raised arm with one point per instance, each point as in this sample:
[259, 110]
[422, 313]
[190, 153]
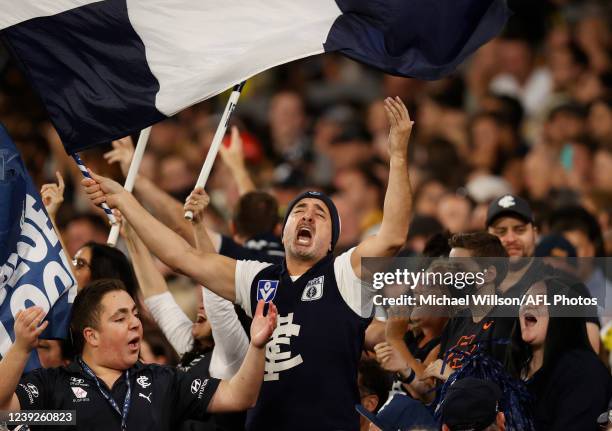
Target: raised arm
[27, 330]
[398, 199]
[150, 280]
[209, 269]
[241, 391]
[163, 206]
[233, 157]
[52, 196]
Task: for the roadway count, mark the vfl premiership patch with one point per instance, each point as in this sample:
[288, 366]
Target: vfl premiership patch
[314, 289]
[266, 290]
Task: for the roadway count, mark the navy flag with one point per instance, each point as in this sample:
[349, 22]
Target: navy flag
[33, 266]
[109, 68]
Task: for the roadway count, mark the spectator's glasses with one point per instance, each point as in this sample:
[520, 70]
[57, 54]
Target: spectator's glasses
[80, 263]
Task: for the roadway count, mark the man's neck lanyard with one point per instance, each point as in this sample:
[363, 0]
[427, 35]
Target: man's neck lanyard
[109, 398]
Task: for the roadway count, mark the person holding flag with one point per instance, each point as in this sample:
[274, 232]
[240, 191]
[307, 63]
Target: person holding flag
[310, 380]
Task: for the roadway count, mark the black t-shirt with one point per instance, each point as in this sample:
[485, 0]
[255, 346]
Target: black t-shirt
[161, 397]
[462, 337]
[573, 395]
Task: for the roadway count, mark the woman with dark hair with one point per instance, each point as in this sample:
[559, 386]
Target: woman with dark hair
[551, 352]
[94, 261]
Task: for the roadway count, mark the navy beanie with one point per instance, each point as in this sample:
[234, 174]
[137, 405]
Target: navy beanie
[333, 212]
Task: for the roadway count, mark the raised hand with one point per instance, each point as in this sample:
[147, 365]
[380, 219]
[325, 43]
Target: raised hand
[401, 126]
[28, 328]
[197, 202]
[233, 156]
[262, 326]
[389, 358]
[53, 195]
[122, 153]
[101, 189]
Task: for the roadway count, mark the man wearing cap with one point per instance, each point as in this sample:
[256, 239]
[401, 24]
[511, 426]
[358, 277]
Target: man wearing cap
[472, 405]
[510, 219]
[310, 381]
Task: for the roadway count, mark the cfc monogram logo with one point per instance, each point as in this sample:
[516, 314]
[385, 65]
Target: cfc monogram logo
[277, 361]
[143, 381]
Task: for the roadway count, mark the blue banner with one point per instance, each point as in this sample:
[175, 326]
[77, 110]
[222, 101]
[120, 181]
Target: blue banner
[34, 269]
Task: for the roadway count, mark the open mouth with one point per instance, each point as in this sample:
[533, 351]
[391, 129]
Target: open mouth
[530, 319]
[304, 235]
[134, 343]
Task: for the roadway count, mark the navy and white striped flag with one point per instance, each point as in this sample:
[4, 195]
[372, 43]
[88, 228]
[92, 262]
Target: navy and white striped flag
[109, 68]
[33, 266]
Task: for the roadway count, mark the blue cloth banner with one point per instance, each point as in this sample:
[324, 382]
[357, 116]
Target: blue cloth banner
[34, 269]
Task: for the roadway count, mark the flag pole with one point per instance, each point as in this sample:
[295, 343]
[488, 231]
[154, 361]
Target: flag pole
[217, 140]
[130, 179]
[85, 172]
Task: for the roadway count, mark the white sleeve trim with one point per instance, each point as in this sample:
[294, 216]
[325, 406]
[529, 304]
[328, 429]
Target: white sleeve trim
[231, 342]
[356, 293]
[246, 270]
[173, 322]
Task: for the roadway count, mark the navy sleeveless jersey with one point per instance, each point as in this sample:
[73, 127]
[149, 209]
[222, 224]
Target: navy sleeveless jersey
[310, 382]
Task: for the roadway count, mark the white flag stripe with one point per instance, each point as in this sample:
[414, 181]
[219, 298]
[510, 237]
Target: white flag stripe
[14, 12]
[198, 49]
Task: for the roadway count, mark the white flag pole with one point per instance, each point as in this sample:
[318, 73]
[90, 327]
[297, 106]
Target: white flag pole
[143, 138]
[217, 139]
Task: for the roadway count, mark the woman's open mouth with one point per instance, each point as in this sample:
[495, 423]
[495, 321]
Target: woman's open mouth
[530, 319]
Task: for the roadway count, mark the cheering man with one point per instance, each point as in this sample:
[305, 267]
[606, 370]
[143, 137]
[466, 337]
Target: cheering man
[106, 384]
[310, 379]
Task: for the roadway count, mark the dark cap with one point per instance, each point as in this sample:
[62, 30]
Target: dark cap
[398, 413]
[509, 205]
[470, 404]
[333, 212]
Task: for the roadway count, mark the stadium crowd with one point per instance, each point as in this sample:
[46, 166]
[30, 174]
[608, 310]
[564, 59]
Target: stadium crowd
[509, 158]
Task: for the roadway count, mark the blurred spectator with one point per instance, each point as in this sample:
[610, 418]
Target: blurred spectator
[473, 404]
[421, 229]
[82, 229]
[374, 386]
[600, 120]
[400, 413]
[454, 213]
[602, 169]
[427, 197]
[519, 74]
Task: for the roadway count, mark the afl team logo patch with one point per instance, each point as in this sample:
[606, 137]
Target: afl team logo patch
[506, 201]
[314, 289]
[80, 393]
[143, 381]
[266, 289]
